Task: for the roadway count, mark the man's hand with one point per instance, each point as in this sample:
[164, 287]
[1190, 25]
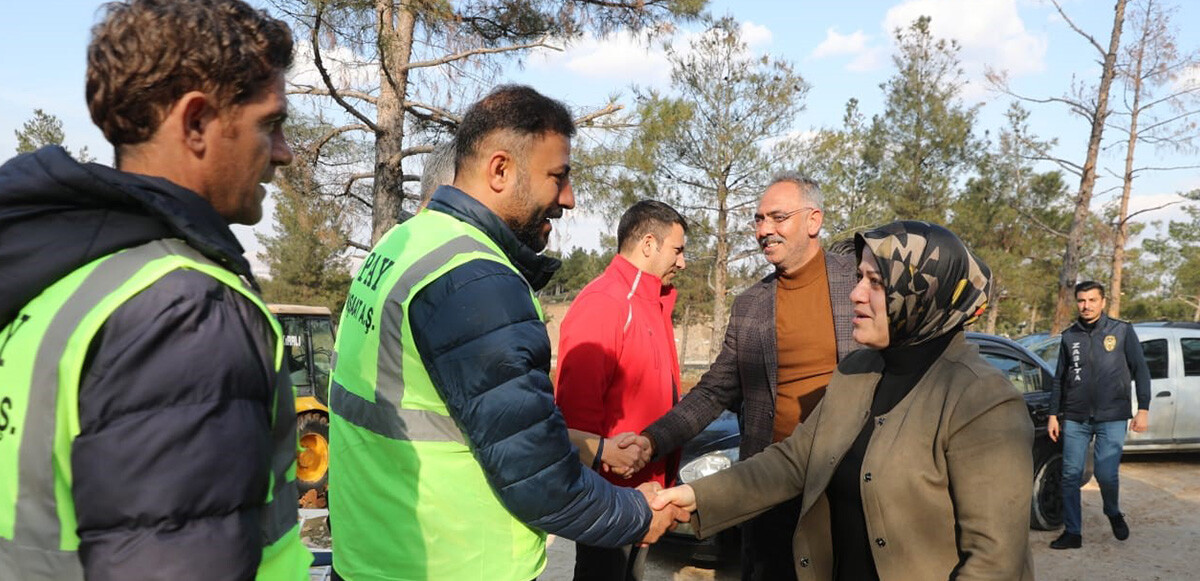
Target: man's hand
[682, 497]
[625, 454]
[1141, 421]
[664, 518]
[1052, 428]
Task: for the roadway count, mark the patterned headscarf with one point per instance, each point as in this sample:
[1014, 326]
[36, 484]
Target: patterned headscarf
[934, 283]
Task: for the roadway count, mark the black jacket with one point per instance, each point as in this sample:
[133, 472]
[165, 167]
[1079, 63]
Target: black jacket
[170, 469]
[1095, 365]
[488, 355]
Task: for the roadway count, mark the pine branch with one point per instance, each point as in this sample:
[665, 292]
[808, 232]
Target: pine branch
[311, 90]
[473, 52]
[434, 114]
[1078, 30]
[1145, 210]
[410, 151]
[586, 120]
[333, 91]
[349, 185]
[1037, 222]
[316, 146]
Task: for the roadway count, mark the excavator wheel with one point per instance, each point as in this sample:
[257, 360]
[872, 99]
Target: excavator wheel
[312, 461]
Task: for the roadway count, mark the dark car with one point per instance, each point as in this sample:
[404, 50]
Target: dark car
[716, 448]
[1043, 345]
[1032, 376]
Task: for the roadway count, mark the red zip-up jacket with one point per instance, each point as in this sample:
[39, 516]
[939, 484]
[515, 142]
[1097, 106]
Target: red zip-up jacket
[617, 365]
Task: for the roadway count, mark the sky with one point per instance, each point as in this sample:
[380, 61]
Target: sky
[842, 49]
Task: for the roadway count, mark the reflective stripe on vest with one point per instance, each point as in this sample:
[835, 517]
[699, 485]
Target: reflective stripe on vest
[410, 497]
[46, 348]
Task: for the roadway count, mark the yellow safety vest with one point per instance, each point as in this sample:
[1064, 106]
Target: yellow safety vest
[44, 351]
[407, 500]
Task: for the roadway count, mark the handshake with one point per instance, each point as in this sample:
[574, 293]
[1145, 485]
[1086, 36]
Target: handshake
[669, 507]
[624, 454]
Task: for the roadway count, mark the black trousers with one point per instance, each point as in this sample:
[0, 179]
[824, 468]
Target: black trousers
[601, 564]
[767, 544]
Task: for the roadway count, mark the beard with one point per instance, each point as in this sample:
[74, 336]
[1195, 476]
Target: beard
[526, 217]
[529, 232]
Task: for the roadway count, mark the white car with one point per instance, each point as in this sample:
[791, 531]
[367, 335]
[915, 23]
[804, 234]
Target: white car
[1173, 356]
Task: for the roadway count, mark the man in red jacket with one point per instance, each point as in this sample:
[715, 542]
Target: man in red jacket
[617, 366]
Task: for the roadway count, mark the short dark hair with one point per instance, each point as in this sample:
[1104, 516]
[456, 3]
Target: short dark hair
[1088, 285]
[647, 217]
[146, 54]
[517, 109]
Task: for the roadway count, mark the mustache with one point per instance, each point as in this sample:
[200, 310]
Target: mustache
[764, 240]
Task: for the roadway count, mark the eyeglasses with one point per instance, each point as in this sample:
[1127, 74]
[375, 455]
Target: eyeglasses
[777, 217]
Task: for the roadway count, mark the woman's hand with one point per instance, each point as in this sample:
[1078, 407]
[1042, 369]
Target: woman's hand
[682, 496]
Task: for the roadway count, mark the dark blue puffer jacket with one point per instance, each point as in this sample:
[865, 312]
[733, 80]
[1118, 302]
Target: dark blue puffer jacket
[488, 354]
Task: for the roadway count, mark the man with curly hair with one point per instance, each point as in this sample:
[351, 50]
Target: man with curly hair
[149, 428]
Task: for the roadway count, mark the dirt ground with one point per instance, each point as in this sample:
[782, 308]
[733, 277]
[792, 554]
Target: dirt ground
[1160, 495]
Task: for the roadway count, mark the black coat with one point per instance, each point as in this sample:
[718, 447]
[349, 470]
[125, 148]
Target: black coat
[1094, 370]
[171, 465]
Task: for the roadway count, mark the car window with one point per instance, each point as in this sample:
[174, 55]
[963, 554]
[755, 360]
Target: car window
[1157, 360]
[1048, 351]
[1025, 377]
[1191, 355]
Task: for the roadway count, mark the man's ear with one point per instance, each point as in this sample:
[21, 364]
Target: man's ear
[648, 245]
[501, 170]
[194, 113]
[815, 218]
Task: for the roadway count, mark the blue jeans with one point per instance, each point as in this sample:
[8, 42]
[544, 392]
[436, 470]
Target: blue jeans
[1110, 440]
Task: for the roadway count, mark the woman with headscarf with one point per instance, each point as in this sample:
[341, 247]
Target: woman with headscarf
[917, 463]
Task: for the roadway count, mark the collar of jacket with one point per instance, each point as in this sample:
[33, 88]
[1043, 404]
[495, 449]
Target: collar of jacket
[536, 268]
[640, 282]
[57, 214]
[1101, 323]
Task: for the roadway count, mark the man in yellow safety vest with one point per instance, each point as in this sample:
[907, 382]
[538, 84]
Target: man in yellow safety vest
[449, 459]
[146, 429]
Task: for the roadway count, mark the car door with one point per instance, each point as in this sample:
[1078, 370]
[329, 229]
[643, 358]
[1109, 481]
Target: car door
[1187, 396]
[1162, 359]
[1027, 376]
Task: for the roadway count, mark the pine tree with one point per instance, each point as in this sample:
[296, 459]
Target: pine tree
[923, 138]
[45, 129]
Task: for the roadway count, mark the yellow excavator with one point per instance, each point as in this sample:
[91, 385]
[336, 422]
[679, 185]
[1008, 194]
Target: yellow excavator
[308, 335]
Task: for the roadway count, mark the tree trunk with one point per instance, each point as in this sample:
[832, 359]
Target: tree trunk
[1064, 309]
[396, 25]
[993, 315]
[1118, 266]
[720, 275]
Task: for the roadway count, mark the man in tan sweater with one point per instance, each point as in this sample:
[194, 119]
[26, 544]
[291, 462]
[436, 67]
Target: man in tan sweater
[786, 334]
